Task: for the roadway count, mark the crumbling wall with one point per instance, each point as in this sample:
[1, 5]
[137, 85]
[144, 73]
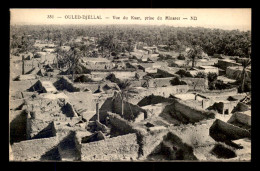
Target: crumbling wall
[34, 150]
[123, 147]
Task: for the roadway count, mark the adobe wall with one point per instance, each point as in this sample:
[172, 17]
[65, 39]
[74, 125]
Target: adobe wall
[33, 150]
[124, 74]
[225, 92]
[65, 84]
[105, 108]
[232, 72]
[151, 140]
[70, 110]
[232, 131]
[29, 65]
[224, 64]
[191, 114]
[21, 85]
[14, 104]
[195, 135]
[196, 83]
[99, 74]
[159, 91]
[38, 128]
[160, 82]
[121, 124]
[123, 147]
[165, 73]
[241, 117]
[147, 141]
[131, 112]
[17, 120]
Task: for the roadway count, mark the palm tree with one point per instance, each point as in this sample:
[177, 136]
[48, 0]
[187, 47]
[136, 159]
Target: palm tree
[242, 76]
[193, 54]
[124, 91]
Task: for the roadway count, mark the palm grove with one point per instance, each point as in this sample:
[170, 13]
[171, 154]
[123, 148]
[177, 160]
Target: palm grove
[112, 40]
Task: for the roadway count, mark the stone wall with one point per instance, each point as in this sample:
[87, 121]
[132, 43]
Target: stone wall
[123, 147]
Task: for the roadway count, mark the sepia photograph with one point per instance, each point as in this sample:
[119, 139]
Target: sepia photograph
[130, 85]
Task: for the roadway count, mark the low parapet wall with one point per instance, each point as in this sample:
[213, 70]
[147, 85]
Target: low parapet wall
[225, 92]
[123, 147]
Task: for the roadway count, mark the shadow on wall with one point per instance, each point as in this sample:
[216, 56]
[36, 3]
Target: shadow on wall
[65, 84]
[47, 132]
[18, 128]
[66, 148]
[220, 151]
[52, 154]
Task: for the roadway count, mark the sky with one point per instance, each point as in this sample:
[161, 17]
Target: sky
[227, 18]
